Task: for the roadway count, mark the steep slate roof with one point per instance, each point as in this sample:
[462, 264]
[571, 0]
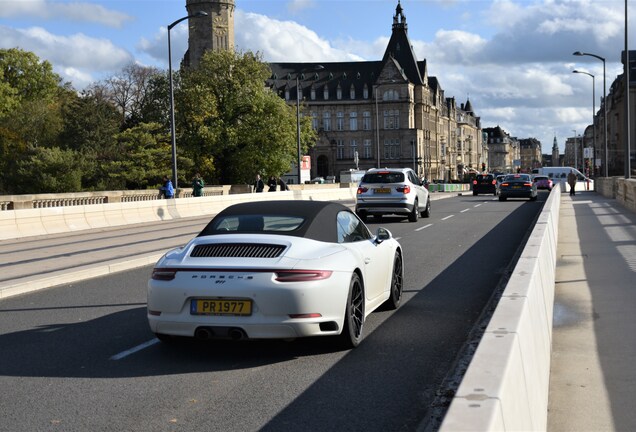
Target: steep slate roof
[356, 73]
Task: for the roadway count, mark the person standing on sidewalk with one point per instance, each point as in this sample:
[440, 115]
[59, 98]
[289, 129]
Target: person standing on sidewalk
[167, 189]
[259, 185]
[197, 185]
[572, 182]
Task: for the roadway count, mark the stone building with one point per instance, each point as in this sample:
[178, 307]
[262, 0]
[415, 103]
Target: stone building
[388, 113]
[503, 151]
[212, 32]
[530, 154]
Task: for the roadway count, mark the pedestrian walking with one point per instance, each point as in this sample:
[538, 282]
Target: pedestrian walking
[259, 185]
[167, 190]
[572, 182]
[282, 184]
[197, 185]
[271, 183]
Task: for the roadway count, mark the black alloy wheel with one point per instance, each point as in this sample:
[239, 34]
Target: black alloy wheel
[427, 211]
[354, 315]
[397, 283]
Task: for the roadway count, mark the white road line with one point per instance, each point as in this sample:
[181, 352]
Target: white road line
[464, 211]
[477, 205]
[126, 353]
[448, 217]
[424, 227]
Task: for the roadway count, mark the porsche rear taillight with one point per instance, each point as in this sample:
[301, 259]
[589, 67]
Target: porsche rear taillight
[163, 274]
[301, 275]
[404, 189]
[362, 190]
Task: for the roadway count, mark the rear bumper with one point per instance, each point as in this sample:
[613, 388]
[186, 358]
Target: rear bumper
[402, 208]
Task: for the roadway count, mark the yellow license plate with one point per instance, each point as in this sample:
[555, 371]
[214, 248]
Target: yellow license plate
[220, 307]
[382, 190]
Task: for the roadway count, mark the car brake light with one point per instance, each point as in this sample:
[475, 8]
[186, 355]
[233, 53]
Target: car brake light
[302, 275]
[504, 184]
[404, 189]
[494, 182]
[362, 190]
[163, 274]
[528, 184]
[306, 315]
[474, 181]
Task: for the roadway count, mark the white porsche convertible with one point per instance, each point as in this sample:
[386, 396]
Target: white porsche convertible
[276, 269]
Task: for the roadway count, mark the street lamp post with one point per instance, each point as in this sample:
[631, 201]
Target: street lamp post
[172, 131]
[606, 161]
[298, 127]
[377, 119]
[593, 113]
[576, 158]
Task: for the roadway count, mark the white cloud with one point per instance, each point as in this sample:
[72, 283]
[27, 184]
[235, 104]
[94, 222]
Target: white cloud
[49, 10]
[76, 56]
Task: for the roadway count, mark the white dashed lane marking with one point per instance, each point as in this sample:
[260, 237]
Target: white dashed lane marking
[448, 217]
[424, 227]
[133, 350]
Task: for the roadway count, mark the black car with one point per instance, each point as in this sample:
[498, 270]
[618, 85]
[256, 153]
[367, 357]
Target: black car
[518, 186]
[485, 183]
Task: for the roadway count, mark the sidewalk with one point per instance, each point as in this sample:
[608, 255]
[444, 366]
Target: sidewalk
[593, 378]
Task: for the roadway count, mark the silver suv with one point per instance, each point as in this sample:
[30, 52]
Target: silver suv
[392, 191]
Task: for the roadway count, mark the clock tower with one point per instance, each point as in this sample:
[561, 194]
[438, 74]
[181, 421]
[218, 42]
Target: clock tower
[212, 32]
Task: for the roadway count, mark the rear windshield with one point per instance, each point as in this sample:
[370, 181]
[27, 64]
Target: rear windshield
[383, 177]
[484, 177]
[537, 178]
[256, 223]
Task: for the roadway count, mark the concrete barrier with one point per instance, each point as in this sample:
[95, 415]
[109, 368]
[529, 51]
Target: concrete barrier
[506, 385]
[57, 220]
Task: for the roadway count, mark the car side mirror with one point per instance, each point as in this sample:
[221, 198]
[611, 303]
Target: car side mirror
[382, 234]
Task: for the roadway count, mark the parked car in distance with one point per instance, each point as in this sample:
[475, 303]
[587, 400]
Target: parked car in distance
[543, 182]
[518, 186]
[276, 270]
[318, 180]
[485, 183]
[392, 191]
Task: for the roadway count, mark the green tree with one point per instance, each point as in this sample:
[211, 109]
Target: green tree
[49, 170]
[145, 156]
[29, 111]
[227, 116]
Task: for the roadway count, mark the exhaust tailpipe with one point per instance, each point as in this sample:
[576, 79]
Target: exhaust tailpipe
[236, 334]
[203, 333]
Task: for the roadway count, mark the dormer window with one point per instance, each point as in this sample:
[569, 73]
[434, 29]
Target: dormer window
[325, 93]
[365, 92]
[339, 92]
[352, 92]
[313, 94]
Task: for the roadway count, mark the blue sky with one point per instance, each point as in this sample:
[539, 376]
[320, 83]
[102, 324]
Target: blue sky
[512, 58]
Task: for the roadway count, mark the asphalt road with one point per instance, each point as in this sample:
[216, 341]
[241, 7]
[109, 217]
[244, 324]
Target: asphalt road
[80, 357]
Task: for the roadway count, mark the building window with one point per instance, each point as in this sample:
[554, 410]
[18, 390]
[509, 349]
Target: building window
[390, 95]
[339, 121]
[352, 92]
[391, 148]
[392, 119]
[313, 94]
[325, 93]
[353, 148]
[340, 148]
[314, 120]
[286, 94]
[365, 92]
[367, 151]
[339, 92]
[353, 121]
[326, 120]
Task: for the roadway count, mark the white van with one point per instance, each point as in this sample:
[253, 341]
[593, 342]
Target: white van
[560, 174]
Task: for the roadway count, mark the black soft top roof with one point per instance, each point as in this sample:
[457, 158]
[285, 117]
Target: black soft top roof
[320, 217]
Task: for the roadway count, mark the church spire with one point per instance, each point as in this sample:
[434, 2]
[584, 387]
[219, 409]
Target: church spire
[399, 19]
